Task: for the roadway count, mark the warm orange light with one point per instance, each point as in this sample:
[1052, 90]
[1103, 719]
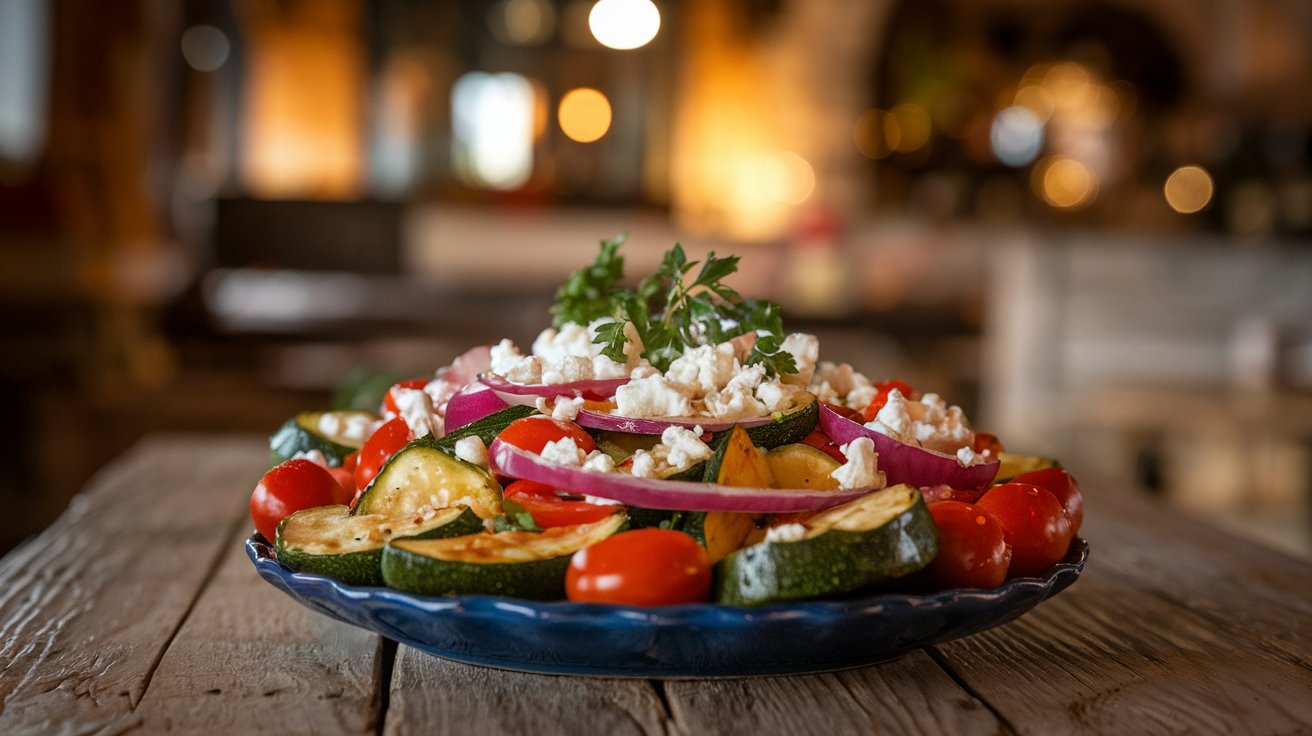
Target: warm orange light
[1066, 183]
[584, 114]
[1189, 189]
[912, 125]
[876, 133]
[788, 178]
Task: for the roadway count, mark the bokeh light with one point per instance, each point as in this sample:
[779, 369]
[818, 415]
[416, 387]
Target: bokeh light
[788, 178]
[1188, 189]
[1017, 136]
[493, 121]
[876, 133]
[624, 24]
[522, 22]
[913, 128]
[205, 47]
[1066, 183]
[584, 114]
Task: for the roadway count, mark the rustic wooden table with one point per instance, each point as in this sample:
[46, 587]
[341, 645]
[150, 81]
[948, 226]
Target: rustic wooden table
[138, 612]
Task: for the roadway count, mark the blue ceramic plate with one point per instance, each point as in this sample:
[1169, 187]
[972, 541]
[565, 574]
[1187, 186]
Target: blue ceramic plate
[697, 640]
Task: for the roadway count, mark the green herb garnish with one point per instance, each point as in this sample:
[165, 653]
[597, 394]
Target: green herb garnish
[516, 518]
[669, 311]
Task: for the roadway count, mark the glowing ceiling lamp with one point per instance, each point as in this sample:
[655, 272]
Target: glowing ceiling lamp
[584, 114]
[624, 24]
[493, 116]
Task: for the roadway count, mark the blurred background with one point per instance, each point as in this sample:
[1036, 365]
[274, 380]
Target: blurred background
[1085, 221]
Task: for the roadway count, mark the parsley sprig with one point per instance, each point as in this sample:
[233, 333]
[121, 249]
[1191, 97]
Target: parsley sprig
[671, 310]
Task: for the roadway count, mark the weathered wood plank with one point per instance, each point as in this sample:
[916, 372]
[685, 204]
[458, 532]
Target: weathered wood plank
[1104, 657]
[911, 695]
[88, 607]
[434, 696]
[251, 660]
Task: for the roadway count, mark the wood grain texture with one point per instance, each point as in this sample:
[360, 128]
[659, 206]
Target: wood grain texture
[88, 607]
[433, 696]
[912, 695]
[1103, 657]
[252, 660]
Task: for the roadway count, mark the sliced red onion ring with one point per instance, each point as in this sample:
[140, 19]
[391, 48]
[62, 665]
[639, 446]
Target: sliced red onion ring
[650, 493]
[656, 425]
[471, 403]
[903, 463]
[598, 390]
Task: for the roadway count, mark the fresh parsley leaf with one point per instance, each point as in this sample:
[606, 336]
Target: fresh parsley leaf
[589, 293]
[611, 334]
[523, 520]
[768, 351]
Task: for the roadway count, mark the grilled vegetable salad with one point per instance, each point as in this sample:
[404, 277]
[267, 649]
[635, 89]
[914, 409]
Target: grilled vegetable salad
[659, 445]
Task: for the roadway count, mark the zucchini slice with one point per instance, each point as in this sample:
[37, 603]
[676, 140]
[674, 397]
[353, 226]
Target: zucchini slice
[1012, 465]
[331, 541]
[788, 428]
[521, 564]
[720, 532]
[304, 432]
[423, 474]
[802, 466]
[878, 537]
[486, 428]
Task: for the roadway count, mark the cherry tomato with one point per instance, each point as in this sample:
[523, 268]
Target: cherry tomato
[845, 412]
[934, 494]
[389, 401]
[972, 551]
[985, 442]
[820, 441]
[1060, 484]
[294, 486]
[345, 485]
[549, 509]
[643, 567]
[533, 433]
[1034, 525]
[350, 461]
[382, 445]
[881, 398]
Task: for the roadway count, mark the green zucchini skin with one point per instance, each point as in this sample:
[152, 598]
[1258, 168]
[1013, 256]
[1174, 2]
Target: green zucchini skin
[542, 580]
[293, 437]
[365, 567]
[832, 563]
[422, 468]
[641, 518]
[486, 428]
[787, 429]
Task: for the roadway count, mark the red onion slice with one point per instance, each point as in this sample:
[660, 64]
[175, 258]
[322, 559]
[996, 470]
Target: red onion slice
[506, 459]
[903, 463]
[471, 403]
[656, 425]
[598, 390]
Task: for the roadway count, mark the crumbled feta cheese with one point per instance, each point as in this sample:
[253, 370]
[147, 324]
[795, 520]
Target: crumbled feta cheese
[736, 400]
[644, 465]
[776, 395]
[564, 451]
[785, 533]
[354, 427]
[416, 408]
[894, 419]
[566, 409]
[472, 450]
[684, 447]
[703, 370]
[805, 350]
[651, 397]
[862, 467]
[598, 461]
[929, 423]
[599, 501]
[966, 457]
[565, 356]
[313, 456]
[570, 369]
[643, 371]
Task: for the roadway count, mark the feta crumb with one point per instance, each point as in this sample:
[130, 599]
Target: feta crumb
[929, 423]
[472, 450]
[703, 370]
[513, 366]
[685, 447]
[416, 408]
[565, 452]
[966, 457]
[805, 350]
[567, 409]
[599, 501]
[354, 427]
[776, 395]
[862, 467]
[651, 397]
[313, 456]
[644, 465]
[785, 533]
[599, 462]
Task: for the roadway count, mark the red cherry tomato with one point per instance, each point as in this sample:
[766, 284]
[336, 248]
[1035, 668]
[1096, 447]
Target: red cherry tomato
[1034, 525]
[294, 486]
[389, 401]
[533, 433]
[934, 494]
[881, 398]
[345, 485]
[985, 442]
[382, 445]
[350, 461]
[643, 567]
[549, 509]
[820, 441]
[1063, 486]
[972, 552]
[845, 412]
